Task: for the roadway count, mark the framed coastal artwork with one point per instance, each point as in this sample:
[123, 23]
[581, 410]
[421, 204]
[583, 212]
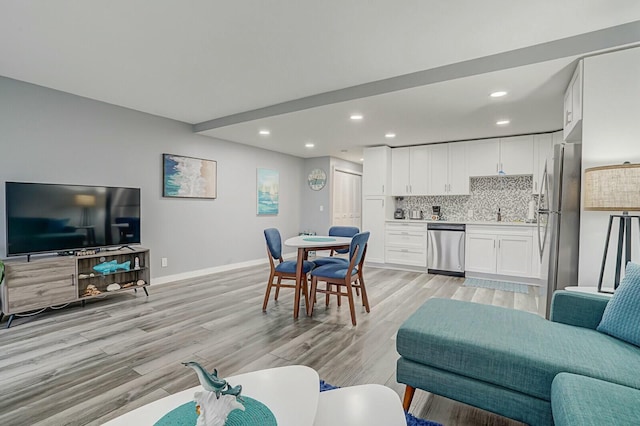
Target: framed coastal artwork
[268, 191]
[188, 177]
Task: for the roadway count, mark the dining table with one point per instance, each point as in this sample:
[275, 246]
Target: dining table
[305, 244]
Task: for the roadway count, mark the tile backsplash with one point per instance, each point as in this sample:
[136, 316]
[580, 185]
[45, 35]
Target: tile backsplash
[509, 193]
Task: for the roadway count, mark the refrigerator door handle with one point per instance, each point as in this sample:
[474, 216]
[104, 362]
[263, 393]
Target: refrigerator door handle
[544, 191]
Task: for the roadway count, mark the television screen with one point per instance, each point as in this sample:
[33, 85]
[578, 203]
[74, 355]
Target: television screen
[50, 217]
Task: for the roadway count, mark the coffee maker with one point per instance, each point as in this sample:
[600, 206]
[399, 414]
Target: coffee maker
[398, 214]
[435, 215]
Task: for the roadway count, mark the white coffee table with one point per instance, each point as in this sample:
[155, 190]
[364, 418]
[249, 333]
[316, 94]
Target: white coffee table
[363, 405]
[293, 395]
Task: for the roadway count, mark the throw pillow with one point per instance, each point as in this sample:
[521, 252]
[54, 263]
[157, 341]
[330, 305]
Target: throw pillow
[622, 314]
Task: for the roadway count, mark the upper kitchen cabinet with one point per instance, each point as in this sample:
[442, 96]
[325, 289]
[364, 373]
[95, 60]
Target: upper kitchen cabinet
[511, 155]
[542, 154]
[376, 171]
[516, 155]
[484, 157]
[448, 169]
[573, 106]
[410, 168]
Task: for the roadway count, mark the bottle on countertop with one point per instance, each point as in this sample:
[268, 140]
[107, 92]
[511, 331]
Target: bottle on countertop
[499, 215]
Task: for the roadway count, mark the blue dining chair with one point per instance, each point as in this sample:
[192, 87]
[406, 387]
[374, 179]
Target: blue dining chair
[344, 276]
[282, 270]
[337, 231]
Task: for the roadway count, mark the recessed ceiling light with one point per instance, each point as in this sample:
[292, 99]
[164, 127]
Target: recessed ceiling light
[362, 159]
[309, 145]
[390, 135]
[502, 122]
[264, 132]
[356, 117]
[498, 94]
[344, 150]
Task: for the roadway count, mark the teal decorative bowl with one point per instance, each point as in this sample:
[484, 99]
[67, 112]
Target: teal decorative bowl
[255, 414]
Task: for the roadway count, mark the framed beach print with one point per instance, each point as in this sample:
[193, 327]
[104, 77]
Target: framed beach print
[268, 192]
[188, 177]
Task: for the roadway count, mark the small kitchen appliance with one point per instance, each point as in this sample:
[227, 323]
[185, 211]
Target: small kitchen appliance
[415, 214]
[398, 214]
[435, 215]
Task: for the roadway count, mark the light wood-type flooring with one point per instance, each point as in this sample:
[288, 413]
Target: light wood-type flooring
[86, 365]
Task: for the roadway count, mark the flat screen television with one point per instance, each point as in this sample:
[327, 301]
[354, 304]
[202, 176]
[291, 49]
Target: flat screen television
[43, 217]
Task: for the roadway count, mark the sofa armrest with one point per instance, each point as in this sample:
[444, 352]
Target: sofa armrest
[578, 309]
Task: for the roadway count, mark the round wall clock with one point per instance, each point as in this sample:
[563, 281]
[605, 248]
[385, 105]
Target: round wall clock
[317, 179]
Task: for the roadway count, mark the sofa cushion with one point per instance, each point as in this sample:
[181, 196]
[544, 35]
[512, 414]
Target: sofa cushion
[622, 314]
[514, 349]
[579, 400]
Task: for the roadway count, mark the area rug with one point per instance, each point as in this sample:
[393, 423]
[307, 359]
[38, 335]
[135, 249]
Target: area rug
[411, 420]
[496, 285]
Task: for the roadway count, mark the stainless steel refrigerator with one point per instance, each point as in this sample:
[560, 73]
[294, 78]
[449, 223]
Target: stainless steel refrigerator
[559, 221]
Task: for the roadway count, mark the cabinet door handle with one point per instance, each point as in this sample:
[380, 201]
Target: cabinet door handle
[73, 276]
[568, 117]
[383, 189]
[496, 167]
[536, 186]
[410, 189]
[494, 243]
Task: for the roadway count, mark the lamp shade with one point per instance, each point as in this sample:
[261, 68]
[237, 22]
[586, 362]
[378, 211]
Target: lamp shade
[85, 200]
[612, 188]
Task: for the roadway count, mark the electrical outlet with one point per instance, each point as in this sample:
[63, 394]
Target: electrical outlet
[164, 262]
[470, 214]
[321, 208]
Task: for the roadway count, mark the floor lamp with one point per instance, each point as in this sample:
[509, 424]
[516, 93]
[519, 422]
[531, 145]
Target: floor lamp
[614, 188]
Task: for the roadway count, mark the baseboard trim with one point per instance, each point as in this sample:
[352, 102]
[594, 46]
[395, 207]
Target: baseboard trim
[213, 270]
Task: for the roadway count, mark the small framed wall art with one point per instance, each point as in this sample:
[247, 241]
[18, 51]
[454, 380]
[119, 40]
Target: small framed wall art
[268, 192]
[188, 177]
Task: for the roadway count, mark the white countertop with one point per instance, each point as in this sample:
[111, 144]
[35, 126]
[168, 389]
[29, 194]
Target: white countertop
[466, 222]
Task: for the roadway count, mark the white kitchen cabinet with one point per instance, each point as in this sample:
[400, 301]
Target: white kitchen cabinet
[409, 174]
[500, 250]
[373, 220]
[376, 171]
[542, 154]
[513, 156]
[514, 255]
[448, 169]
[516, 155]
[406, 244]
[573, 106]
[484, 157]
[480, 253]
[400, 171]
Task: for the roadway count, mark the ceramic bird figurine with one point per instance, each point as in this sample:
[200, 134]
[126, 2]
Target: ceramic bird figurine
[209, 381]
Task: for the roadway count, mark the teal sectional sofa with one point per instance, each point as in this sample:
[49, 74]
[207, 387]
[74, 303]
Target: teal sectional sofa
[515, 363]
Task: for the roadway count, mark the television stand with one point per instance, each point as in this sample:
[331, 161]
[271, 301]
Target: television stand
[48, 282]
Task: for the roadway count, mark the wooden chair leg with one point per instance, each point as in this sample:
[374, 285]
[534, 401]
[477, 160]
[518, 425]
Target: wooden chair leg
[352, 307]
[365, 299]
[314, 287]
[338, 296]
[305, 289]
[278, 288]
[408, 397]
[266, 295]
[326, 295]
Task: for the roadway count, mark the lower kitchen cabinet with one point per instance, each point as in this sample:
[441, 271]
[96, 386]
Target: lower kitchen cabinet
[500, 250]
[406, 244]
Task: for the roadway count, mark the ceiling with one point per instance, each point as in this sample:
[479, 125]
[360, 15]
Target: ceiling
[201, 60]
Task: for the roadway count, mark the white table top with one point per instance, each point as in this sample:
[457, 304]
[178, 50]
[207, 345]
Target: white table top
[291, 393]
[304, 241]
[364, 405]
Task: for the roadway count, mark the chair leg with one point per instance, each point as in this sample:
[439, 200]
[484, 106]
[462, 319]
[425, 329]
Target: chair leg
[314, 286]
[365, 299]
[266, 295]
[326, 295]
[352, 308]
[278, 288]
[408, 397]
[338, 296]
[305, 289]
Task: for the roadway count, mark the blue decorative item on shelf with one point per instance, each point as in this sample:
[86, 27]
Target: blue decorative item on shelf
[112, 266]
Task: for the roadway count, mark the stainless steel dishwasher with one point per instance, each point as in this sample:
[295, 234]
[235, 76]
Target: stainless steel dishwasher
[445, 248]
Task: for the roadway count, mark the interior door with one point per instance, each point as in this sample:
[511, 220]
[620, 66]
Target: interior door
[347, 199]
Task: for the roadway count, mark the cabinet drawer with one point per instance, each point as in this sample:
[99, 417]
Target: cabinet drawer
[406, 238]
[25, 274]
[406, 256]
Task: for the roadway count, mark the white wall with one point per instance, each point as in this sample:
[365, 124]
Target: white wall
[51, 136]
[611, 135]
